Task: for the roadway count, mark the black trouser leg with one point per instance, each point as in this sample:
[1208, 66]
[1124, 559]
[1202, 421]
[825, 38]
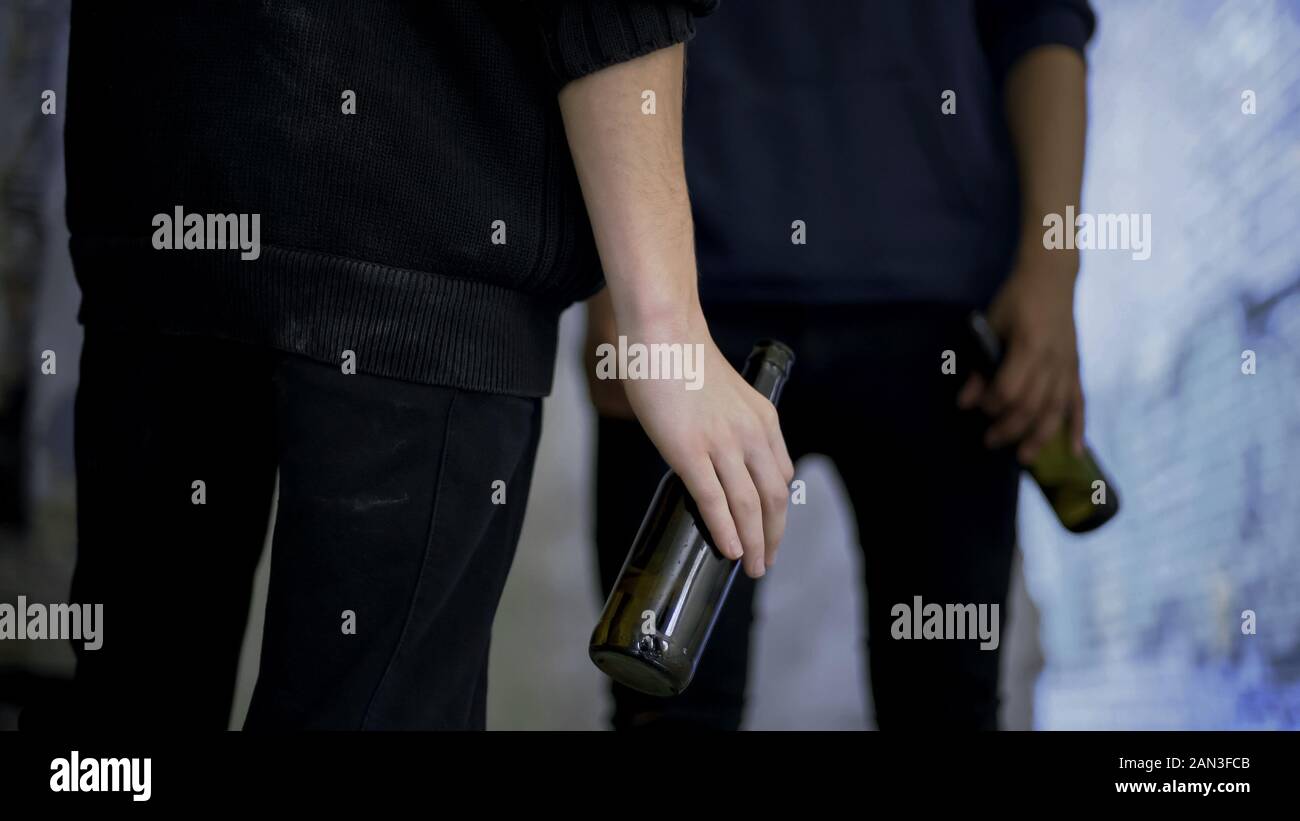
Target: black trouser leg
[389, 554]
[935, 509]
[155, 415]
[386, 510]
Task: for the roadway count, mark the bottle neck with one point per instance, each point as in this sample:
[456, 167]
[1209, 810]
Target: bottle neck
[768, 368]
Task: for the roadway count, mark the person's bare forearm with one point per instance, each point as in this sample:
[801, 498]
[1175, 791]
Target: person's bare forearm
[629, 164]
[723, 440]
[1047, 115]
[1037, 389]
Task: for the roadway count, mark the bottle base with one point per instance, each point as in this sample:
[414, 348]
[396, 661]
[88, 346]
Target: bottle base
[645, 675]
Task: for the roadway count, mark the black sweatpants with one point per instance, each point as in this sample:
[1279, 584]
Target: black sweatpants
[392, 538]
[935, 509]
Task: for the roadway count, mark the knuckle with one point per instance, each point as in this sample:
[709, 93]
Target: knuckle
[776, 498]
[742, 430]
[721, 442]
[748, 504]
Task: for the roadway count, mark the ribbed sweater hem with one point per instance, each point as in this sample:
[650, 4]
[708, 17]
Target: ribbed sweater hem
[401, 324]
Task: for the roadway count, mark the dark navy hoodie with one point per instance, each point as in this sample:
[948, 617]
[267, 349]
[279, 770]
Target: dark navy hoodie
[830, 113]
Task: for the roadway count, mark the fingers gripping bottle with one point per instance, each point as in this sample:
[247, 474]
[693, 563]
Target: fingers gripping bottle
[1079, 491]
[671, 589]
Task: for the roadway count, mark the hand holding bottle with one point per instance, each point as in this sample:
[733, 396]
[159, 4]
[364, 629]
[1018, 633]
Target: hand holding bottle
[657, 620]
[1036, 390]
[724, 441]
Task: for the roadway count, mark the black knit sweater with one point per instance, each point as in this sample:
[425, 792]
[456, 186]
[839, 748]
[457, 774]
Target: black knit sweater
[437, 232]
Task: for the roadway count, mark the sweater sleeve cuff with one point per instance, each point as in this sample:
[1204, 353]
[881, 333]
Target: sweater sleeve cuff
[1069, 25]
[583, 36]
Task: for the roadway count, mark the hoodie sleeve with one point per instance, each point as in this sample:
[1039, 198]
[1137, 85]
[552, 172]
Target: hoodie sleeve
[1010, 28]
[583, 36]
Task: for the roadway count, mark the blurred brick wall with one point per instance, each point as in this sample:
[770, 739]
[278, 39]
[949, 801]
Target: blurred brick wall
[1141, 622]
